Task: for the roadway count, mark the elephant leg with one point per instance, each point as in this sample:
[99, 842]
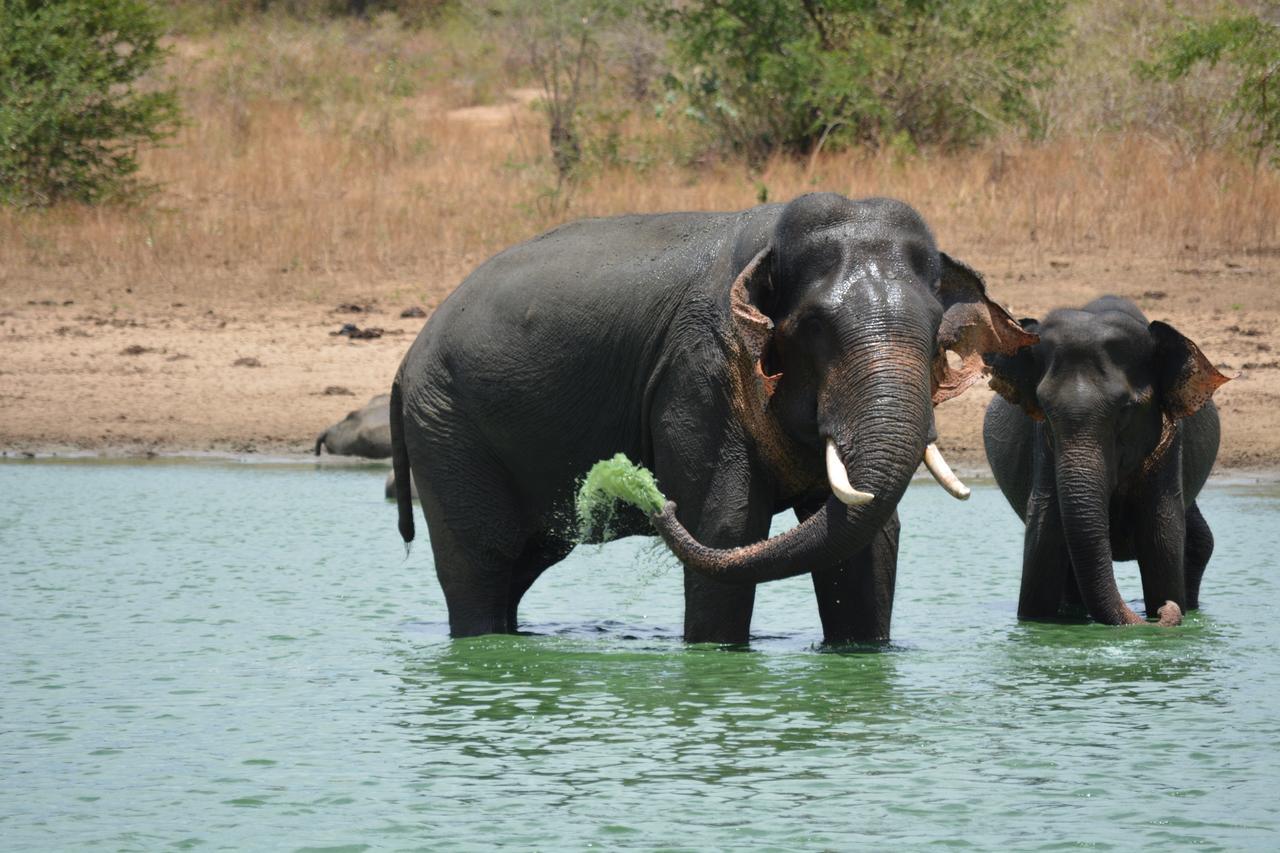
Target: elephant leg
[542, 551]
[1161, 543]
[1046, 564]
[855, 597]
[722, 509]
[716, 612]
[701, 462]
[1072, 605]
[478, 536]
[1198, 551]
[476, 581]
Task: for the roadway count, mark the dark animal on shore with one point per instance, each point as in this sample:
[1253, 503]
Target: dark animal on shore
[363, 432]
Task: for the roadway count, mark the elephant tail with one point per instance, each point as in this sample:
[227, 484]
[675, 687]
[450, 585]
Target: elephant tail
[400, 465]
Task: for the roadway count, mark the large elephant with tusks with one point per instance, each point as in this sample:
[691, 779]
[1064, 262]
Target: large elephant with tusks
[786, 356]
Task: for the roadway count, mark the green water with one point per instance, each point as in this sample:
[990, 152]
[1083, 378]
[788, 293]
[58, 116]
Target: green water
[610, 481]
[235, 656]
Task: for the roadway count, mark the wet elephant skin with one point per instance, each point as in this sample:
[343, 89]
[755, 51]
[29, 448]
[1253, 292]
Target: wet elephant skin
[724, 351]
[1102, 437]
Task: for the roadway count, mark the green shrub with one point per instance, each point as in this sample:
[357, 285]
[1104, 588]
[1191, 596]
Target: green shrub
[197, 15]
[765, 75]
[72, 110]
[1251, 47]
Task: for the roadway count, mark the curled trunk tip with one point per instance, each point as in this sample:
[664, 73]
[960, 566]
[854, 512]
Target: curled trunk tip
[1170, 614]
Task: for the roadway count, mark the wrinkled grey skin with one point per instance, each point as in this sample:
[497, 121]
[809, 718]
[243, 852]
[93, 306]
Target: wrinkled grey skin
[1075, 442]
[721, 351]
[363, 432]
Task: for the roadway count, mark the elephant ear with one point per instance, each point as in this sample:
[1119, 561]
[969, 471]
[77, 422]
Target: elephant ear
[972, 325]
[1185, 378]
[753, 330]
[1016, 376]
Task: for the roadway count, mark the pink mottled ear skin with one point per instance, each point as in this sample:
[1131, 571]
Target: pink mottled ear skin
[753, 328]
[971, 326]
[1193, 378]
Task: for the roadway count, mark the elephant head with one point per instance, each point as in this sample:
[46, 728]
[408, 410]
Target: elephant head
[841, 328]
[363, 432]
[1109, 389]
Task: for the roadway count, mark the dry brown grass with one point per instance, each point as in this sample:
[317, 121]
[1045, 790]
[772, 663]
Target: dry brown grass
[286, 195]
[314, 171]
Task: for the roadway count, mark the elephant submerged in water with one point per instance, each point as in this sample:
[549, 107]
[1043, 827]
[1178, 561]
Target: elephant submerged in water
[786, 356]
[1102, 437]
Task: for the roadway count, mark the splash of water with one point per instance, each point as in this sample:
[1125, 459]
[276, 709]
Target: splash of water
[616, 479]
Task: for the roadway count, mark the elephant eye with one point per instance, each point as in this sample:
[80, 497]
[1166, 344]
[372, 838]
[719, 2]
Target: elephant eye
[1141, 397]
[810, 324]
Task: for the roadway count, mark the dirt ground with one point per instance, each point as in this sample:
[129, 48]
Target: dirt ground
[245, 364]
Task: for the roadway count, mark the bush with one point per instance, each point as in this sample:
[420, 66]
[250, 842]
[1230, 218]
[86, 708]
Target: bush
[197, 15]
[766, 75]
[1251, 47]
[72, 114]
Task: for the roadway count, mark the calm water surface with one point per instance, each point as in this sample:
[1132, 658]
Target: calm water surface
[240, 656]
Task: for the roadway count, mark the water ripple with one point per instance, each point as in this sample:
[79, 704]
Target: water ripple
[240, 656]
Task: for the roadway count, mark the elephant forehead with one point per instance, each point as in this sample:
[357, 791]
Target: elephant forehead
[1089, 337]
[869, 288]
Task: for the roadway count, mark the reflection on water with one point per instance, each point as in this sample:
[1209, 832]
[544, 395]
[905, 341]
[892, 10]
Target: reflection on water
[241, 656]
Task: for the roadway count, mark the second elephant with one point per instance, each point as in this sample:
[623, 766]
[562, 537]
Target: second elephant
[1102, 437]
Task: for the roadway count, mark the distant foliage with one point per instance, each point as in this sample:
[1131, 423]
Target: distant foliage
[72, 109]
[1251, 47]
[194, 14]
[561, 41]
[769, 75]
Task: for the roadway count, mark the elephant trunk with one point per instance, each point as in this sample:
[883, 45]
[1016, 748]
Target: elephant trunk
[878, 422]
[1084, 505]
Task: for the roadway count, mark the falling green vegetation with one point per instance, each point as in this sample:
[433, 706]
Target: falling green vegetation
[611, 480]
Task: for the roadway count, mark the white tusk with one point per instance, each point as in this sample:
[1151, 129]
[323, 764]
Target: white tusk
[942, 472]
[838, 477]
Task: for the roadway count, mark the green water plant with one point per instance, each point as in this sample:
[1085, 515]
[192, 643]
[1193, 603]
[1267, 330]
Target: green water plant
[613, 480]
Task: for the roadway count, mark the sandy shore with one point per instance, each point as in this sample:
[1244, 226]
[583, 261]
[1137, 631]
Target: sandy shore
[252, 366]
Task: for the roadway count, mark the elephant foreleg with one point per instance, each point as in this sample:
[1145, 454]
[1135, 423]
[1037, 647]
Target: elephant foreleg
[723, 508]
[1047, 577]
[855, 597]
[1161, 541]
[728, 515]
[1196, 556]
